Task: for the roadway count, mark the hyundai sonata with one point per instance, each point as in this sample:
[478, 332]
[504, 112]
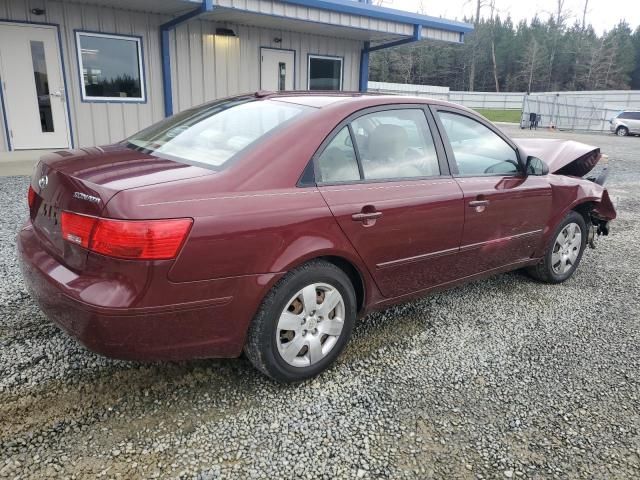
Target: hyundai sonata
[267, 223]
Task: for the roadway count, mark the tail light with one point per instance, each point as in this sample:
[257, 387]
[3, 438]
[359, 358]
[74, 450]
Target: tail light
[31, 197]
[127, 239]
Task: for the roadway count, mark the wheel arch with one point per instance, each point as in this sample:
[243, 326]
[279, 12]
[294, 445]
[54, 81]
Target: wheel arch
[354, 275]
[357, 273]
[584, 208]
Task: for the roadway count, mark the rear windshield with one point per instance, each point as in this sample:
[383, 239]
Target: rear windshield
[212, 134]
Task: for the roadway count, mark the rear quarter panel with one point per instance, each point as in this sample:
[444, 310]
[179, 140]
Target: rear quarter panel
[243, 233]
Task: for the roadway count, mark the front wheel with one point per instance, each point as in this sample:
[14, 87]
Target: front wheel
[303, 323]
[564, 252]
[622, 131]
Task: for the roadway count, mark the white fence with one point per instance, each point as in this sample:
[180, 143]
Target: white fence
[409, 89]
[587, 110]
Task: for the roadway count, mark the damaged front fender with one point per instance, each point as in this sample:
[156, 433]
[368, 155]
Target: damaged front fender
[587, 197]
[604, 209]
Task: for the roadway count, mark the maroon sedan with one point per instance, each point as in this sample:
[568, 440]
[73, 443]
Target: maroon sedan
[267, 223]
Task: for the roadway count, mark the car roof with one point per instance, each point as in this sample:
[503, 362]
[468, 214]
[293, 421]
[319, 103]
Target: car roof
[322, 99]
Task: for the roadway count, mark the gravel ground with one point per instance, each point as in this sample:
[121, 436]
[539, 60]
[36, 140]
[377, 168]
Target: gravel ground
[504, 378]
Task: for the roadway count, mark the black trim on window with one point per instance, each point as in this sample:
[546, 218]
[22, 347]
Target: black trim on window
[308, 178]
[445, 168]
[356, 150]
[451, 159]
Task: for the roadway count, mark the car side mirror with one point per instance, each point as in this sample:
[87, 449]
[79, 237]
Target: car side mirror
[535, 166]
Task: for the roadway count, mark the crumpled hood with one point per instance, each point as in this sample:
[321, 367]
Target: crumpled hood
[563, 157]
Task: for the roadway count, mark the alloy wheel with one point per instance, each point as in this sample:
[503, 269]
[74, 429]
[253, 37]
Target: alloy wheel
[310, 325]
[566, 248]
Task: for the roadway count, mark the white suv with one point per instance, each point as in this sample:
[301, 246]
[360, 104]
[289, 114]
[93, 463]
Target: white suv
[626, 123]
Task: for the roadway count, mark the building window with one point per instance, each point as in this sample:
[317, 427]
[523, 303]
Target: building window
[110, 67]
[325, 73]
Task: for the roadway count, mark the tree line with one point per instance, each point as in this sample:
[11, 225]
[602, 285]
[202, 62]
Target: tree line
[528, 56]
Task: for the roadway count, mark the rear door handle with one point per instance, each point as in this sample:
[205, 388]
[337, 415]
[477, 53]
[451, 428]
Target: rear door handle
[478, 203]
[368, 216]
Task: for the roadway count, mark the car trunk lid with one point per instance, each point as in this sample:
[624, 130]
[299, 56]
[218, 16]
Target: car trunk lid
[83, 181]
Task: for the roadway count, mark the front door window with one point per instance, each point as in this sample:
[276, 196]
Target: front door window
[477, 149]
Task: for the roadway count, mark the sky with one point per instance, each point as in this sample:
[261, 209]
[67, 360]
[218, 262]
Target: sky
[602, 14]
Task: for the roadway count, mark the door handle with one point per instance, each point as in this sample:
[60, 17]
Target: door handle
[368, 218]
[359, 217]
[478, 203]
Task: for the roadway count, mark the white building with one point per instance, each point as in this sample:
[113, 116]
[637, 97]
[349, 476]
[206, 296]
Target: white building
[92, 72]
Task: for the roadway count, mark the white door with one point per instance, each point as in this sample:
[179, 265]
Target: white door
[277, 69]
[33, 87]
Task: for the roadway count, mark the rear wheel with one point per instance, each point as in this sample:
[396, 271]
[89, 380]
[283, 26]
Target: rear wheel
[303, 324]
[622, 131]
[564, 252]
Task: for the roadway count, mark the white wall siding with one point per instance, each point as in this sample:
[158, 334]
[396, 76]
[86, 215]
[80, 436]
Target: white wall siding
[209, 66]
[443, 35]
[99, 123]
[287, 10]
[4, 146]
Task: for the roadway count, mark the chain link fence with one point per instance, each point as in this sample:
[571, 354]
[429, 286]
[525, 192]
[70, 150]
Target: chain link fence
[569, 112]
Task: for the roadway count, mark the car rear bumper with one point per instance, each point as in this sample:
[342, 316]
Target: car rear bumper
[211, 319]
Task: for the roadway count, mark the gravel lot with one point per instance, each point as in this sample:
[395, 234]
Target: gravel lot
[504, 378]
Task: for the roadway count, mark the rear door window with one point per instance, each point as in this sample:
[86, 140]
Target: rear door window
[395, 144]
[338, 162]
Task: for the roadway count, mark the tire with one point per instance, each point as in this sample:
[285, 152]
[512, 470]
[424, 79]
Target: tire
[622, 131]
[314, 340]
[564, 252]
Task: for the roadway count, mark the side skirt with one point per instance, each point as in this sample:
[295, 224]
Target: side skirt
[445, 286]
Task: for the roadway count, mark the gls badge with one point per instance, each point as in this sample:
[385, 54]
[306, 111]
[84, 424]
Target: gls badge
[84, 196]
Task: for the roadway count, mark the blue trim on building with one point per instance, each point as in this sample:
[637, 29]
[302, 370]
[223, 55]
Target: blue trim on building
[143, 74]
[165, 50]
[363, 81]
[417, 36]
[383, 13]
[64, 82]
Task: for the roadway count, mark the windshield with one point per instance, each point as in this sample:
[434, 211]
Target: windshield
[213, 133]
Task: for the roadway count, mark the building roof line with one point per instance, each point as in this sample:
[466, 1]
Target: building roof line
[383, 13]
[355, 7]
